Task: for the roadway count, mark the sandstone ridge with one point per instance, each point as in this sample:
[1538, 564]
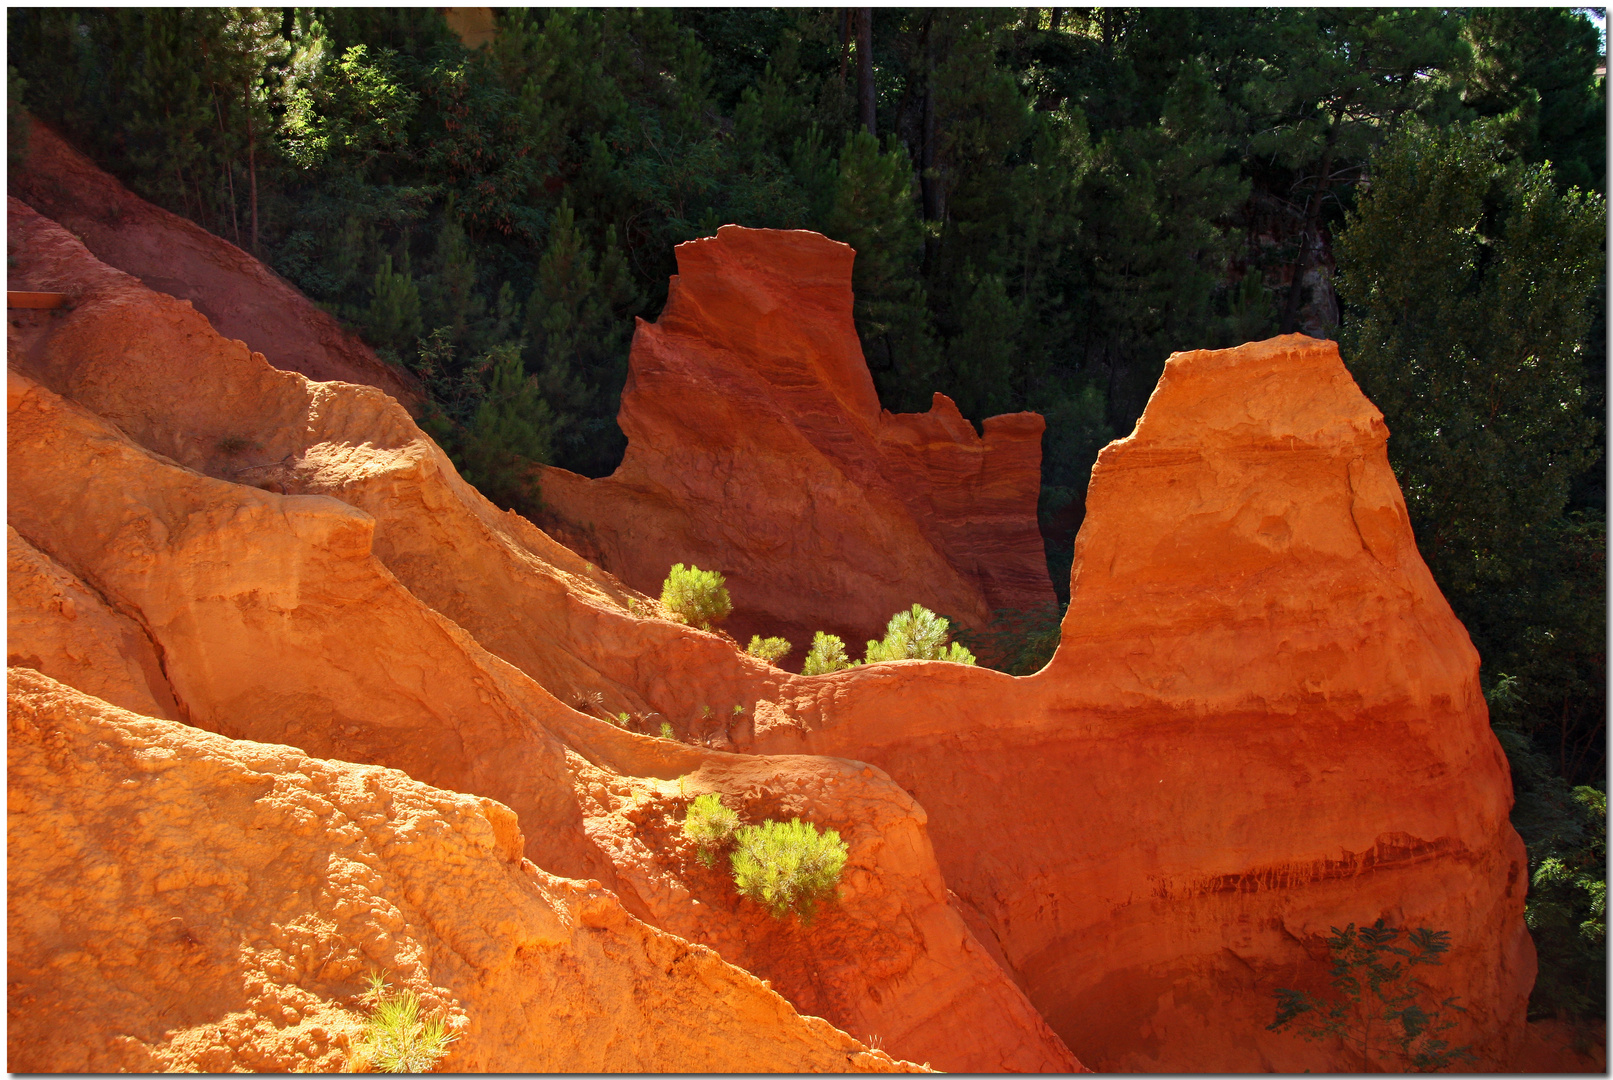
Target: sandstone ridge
[278, 545]
[241, 296]
[757, 447]
[1262, 721]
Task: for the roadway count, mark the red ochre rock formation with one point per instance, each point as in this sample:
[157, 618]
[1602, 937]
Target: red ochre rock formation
[241, 296]
[1263, 720]
[191, 903]
[757, 447]
[303, 612]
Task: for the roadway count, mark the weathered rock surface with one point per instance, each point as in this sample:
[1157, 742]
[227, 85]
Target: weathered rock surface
[57, 625]
[757, 447]
[1262, 721]
[306, 612]
[194, 903]
[241, 296]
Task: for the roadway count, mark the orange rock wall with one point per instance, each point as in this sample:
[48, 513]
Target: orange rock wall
[757, 447]
[196, 903]
[297, 612]
[240, 296]
[1262, 721]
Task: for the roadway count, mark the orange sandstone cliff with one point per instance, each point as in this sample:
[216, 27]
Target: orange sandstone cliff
[1262, 721]
[757, 447]
[279, 544]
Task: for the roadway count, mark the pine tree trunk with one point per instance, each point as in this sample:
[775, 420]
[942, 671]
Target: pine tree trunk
[1310, 229]
[252, 167]
[865, 68]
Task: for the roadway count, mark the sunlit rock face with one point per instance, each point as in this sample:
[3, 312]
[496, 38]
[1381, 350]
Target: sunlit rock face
[757, 447]
[203, 537]
[1263, 721]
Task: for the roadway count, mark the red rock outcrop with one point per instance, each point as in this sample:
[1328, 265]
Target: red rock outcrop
[300, 612]
[195, 903]
[240, 296]
[757, 447]
[1262, 721]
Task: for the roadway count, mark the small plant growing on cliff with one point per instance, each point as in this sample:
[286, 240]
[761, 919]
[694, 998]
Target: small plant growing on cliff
[696, 596]
[711, 825]
[667, 732]
[828, 653]
[771, 649]
[1379, 1012]
[396, 1038]
[621, 719]
[917, 634]
[787, 867]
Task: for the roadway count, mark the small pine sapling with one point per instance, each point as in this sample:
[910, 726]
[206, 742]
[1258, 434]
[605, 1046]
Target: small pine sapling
[396, 1038]
[771, 649]
[711, 825]
[917, 634]
[828, 653]
[787, 867]
[667, 732]
[696, 596]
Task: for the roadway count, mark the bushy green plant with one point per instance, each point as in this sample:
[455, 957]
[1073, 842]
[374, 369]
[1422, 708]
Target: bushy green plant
[917, 634]
[787, 867]
[828, 653]
[696, 596]
[771, 649]
[667, 732]
[710, 824]
[1380, 1012]
[396, 1038]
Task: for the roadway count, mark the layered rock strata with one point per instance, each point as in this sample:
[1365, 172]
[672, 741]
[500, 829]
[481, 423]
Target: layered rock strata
[757, 447]
[240, 296]
[1263, 721]
[301, 611]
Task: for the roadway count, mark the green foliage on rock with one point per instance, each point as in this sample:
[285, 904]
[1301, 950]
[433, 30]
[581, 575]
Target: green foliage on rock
[397, 1039]
[917, 634]
[771, 649]
[1380, 1013]
[696, 596]
[828, 653]
[710, 824]
[787, 867]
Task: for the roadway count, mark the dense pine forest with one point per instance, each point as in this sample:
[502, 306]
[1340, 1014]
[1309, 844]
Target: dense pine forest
[1044, 203]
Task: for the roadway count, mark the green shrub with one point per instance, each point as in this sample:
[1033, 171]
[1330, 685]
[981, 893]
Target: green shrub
[771, 649]
[710, 824]
[696, 596]
[917, 634]
[787, 867]
[667, 732]
[396, 1038]
[828, 653]
[1379, 1011]
[621, 719]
